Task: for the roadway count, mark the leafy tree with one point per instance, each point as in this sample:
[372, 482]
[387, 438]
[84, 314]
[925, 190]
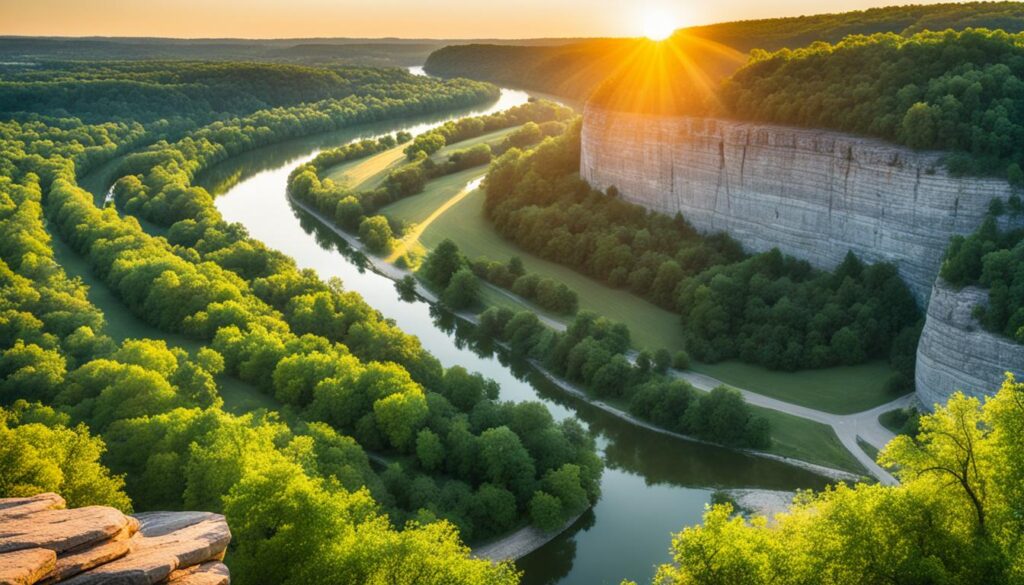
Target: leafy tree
[52, 457]
[949, 520]
[463, 290]
[442, 263]
[429, 450]
[546, 511]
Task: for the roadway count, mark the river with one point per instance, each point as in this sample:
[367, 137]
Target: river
[653, 485]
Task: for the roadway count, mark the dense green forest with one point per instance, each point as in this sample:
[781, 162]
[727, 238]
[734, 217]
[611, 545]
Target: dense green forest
[179, 95]
[353, 387]
[766, 309]
[954, 518]
[575, 70]
[994, 259]
[957, 92]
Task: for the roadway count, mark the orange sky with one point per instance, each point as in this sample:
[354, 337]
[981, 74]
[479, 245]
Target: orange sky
[380, 18]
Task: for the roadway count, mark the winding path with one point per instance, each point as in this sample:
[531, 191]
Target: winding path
[848, 427]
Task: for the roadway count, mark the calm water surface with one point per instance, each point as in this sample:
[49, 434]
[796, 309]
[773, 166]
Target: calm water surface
[653, 485]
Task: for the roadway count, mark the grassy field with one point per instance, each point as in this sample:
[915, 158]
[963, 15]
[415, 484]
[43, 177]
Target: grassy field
[809, 441]
[868, 448]
[366, 173]
[839, 390]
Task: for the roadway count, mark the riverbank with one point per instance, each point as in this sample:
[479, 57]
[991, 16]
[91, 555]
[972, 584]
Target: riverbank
[522, 542]
[397, 273]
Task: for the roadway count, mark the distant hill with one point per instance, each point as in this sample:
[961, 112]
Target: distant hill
[386, 52]
[697, 57]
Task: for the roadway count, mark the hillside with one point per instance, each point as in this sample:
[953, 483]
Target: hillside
[710, 53]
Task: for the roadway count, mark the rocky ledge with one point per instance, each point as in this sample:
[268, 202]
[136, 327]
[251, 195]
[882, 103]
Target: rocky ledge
[43, 542]
[956, 354]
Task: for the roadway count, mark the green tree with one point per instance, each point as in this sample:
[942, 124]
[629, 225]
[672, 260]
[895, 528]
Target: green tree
[546, 511]
[463, 290]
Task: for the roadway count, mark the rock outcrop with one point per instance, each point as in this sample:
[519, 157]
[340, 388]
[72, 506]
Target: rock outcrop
[813, 194]
[956, 353]
[42, 542]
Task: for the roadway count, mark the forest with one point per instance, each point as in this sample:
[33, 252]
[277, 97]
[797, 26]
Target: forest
[169, 97]
[594, 353]
[766, 309]
[955, 92]
[575, 70]
[993, 258]
[372, 433]
[953, 518]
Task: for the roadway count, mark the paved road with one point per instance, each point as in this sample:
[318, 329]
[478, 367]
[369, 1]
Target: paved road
[846, 426]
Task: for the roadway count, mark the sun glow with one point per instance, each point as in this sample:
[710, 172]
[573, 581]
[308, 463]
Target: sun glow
[658, 25]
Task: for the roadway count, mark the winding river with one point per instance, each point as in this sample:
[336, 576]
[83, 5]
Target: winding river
[653, 484]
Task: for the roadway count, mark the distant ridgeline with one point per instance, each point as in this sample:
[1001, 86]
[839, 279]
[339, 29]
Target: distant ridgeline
[576, 69]
[26, 51]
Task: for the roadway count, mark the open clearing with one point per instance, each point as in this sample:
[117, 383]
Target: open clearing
[366, 173]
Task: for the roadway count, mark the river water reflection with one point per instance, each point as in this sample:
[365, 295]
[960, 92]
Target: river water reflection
[653, 484]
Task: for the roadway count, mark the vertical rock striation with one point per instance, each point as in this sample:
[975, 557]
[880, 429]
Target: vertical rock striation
[813, 194]
[817, 195]
[956, 353]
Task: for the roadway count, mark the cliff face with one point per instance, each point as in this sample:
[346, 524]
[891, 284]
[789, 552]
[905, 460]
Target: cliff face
[816, 195]
[956, 353]
[813, 194]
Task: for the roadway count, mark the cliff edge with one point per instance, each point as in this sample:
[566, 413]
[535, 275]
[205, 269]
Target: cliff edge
[956, 353]
[42, 542]
[813, 194]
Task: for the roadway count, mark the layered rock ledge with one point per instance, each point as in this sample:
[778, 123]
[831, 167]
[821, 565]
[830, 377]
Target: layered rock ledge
[43, 542]
[956, 353]
[813, 194]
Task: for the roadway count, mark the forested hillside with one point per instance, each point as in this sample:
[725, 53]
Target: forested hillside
[27, 51]
[181, 94]
[139, 424]
[957, 92]
[702, 54]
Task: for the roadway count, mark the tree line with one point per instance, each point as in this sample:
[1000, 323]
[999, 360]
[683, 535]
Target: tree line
[767, 309]
[353, 210]
[593, 352]
[950, 91]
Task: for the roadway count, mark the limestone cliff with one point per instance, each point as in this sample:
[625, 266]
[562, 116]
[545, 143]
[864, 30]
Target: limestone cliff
[813, 194]
[816, 195]
[956, 353]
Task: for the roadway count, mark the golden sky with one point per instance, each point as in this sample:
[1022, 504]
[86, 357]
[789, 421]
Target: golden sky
[388, 18]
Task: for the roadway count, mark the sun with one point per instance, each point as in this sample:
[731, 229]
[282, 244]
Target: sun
[658, 24]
